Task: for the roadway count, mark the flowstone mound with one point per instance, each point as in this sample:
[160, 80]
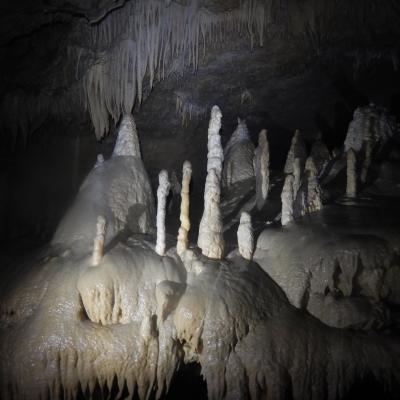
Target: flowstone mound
[336, 263]
[118, 189]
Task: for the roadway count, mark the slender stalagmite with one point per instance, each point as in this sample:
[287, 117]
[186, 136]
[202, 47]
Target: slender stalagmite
[298, 176]
[98, 245]
[261, 169]
[162, 193]
[215, 156]
[245, 236]
[183, 241]
[287, 198]
[210, 238]
[297, 150]
[351, 188]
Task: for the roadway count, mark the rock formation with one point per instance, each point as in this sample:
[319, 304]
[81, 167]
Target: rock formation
[127, 143]
[162, 193]
[215, 155]
[245, 236]
[210, 238]
[287, 198]
[314, 192]
[261, 169]
[297, 150]
[320, 154]
[238, 156]
[183, 240]
[119, 190]
[98, 245]
[351, 186]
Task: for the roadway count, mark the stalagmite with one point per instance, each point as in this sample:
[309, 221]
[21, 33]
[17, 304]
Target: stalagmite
[351, 188]
[162, 193]
[261, 169]
[215, 156]
[183, 241]
[320, 154]
[297, 150]
[298, 176]
[127, 143]
[313, 201]
[368, 142]
[238, 157]
[287, 198]
[245, 236]
[98, 245]
[210, 238]
[99, 160]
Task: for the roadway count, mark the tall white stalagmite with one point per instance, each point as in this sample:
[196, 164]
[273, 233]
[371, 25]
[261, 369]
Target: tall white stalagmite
[215, 156]
[297, 150]
[183, 241]
[367, 159]
[287, 198]
[127, 143]
[98, 244]
[162, 193]
[314, 192]
[351, 188]
[210, 238]
[261, 169]
[245, 236]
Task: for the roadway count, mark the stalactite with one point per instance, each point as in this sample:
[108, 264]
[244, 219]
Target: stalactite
[183, 241]
[162, 193]
[140, 40]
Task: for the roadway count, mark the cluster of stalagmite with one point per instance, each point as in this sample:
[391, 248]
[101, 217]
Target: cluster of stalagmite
[162, 193]
[210, 238]
[98, 245]
[351, 187]
[261, 169]
[302, 192]
[245, 236]
[183, 240]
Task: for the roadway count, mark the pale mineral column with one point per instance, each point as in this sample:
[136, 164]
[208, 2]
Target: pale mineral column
[183, 241]
[162, 193]
[261, 169]
[245, 236]
[287, 198]
[215, 156]
[127, 143]
[314, 202]
[98, 245]
[210, 238]
[298, 176]
[351, 188]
